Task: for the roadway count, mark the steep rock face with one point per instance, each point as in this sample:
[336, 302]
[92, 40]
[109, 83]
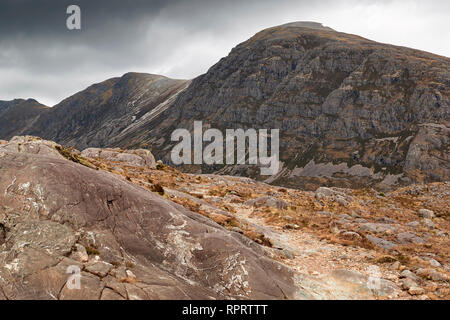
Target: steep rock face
[428, 154]
[338, 100]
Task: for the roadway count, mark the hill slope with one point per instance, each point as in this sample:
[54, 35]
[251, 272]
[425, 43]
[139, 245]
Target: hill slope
[94, 116]
[18, 116]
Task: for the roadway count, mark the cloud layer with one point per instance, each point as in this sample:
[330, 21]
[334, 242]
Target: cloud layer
[40, 58]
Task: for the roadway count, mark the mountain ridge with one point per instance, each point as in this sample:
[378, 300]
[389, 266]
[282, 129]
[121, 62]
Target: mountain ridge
[351, 111]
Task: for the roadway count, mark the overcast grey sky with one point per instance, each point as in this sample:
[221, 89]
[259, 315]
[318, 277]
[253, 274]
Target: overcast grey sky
[41, 59]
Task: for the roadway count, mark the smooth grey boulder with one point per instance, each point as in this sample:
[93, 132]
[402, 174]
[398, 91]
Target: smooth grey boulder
[139, 157]
[267, 201]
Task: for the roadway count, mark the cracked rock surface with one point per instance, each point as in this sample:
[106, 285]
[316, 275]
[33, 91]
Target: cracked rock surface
[54, 212]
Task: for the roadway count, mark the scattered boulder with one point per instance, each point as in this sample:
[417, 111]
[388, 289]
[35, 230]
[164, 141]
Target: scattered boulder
[416, 290]
[382, 243]
[288, 254]
[267, 201]
[434, 263]
[342, 201]
[31, 145]
[139, 157]
[99, 268]
[334, 195]
[237, 229]
[376, 227]
[408, 237]
[408, 274]
[425, 213]
[291, 226]
[350, 235]
[413, 224]
[325, 192]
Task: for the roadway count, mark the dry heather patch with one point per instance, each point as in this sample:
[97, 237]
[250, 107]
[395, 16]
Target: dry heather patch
[331, 220]
[72, 155]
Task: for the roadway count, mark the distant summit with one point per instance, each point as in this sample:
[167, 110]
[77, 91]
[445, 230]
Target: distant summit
[307, 24]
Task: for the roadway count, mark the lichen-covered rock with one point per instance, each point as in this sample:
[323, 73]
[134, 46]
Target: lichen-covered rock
[32, 145]
[139, 157]
[59, 218]
[50, 204]
[377, 227]
[380, 287]
[405, 237]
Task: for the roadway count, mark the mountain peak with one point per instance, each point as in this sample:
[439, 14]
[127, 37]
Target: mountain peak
[307, 24]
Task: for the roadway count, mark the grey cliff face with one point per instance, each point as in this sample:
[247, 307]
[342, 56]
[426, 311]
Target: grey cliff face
[338, 100]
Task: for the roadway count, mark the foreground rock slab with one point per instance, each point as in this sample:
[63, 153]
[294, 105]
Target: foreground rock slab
[156, 249]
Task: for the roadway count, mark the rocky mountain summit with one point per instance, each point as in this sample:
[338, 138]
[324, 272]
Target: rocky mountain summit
[351, 112]
[139, 229]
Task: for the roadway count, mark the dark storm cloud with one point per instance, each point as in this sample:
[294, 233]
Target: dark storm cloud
[118, 29]
[37, 30]
[48, 16]
[40, 58]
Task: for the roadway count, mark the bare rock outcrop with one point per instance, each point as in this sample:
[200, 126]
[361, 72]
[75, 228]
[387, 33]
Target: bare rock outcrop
[139, 245]
[139, 157]
[351, 112]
